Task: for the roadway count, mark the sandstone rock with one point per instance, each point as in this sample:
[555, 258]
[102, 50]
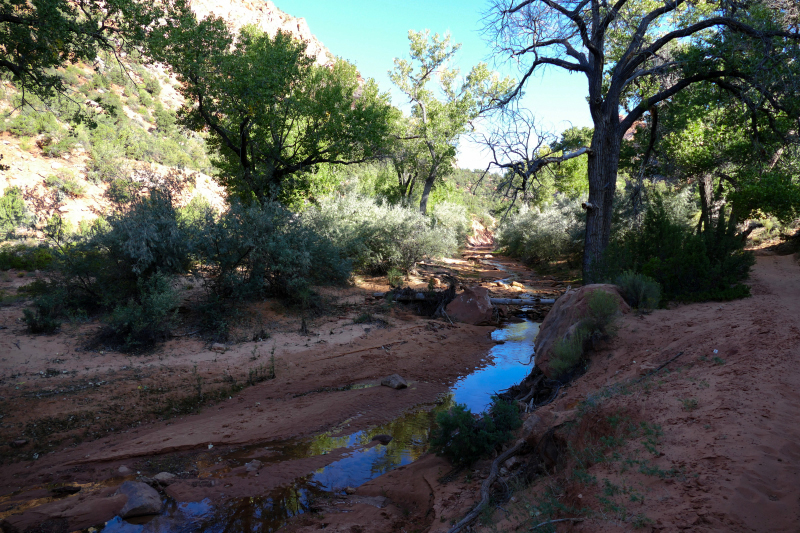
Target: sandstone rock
[395, 382]
[18, 443]
[164, 478]
[142, 499]
[124, 471]
[350, 490]
[218, 347]
[472, 306]
[253, 466]
[563, 318]
[383, 439]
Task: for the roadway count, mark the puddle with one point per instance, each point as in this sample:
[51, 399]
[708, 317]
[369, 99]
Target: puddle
[363, 460]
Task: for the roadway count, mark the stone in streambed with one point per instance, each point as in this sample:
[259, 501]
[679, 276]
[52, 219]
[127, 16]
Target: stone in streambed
[472, 306]
[142, 499]
[395, 382]
[383, 439]
[164, 478]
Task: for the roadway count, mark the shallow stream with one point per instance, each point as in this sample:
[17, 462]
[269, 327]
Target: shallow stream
[507, 363]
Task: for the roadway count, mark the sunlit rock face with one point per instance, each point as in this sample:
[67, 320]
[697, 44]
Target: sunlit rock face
[265, 15]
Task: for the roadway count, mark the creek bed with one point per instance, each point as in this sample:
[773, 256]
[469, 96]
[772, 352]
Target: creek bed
[507, 363]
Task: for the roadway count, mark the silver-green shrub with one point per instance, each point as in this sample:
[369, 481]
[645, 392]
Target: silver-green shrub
[377, 236]
[543, 235]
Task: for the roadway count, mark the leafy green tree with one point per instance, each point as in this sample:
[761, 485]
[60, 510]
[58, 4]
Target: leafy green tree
[273, 114]
[443, 105]
[38, 35]
[631, 53]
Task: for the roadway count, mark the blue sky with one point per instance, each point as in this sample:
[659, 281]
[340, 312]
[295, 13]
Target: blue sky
[372, 33]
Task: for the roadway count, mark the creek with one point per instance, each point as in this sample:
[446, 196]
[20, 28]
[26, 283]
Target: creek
[360, 459]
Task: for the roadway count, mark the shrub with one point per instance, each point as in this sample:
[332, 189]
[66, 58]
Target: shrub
[453, 217]
[148, 316]
[568, 352]
[544, 235]
[43, 318]
[640, 291]
[394, 277]
[464, 439]
[264, 249]
[689, 266]
[378, 237]
[66, 184]
[25, 257]
[13, 211]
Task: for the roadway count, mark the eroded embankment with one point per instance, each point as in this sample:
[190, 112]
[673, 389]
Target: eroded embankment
[707, 443]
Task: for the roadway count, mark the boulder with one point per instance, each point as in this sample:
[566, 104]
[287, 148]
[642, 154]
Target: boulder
[563, 318]
[394, 381]
[383, 439]
[253, 466]
[142, 499]
[164, 478]
[472, 306]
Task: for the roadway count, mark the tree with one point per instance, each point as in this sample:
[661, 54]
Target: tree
[522, 150]
[38, 35]
[273, 115]
[632, 54]
[442, 108]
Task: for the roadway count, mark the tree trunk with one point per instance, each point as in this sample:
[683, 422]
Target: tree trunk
[426, 191]
[603, 164]
[705, 184]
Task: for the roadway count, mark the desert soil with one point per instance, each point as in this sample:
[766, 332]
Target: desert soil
[721, 455]
[74, 411]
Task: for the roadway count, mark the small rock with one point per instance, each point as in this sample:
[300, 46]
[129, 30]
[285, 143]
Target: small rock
[349, 490]
[218, 347]
[253, 465]
[164, 478]
[383, 439]
[124, 471]
[517, 284]
[394, 381]
[142, 499]
[19, 443]
[512, 463]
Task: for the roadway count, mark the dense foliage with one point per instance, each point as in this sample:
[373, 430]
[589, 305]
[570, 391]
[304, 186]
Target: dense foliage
[463, 438]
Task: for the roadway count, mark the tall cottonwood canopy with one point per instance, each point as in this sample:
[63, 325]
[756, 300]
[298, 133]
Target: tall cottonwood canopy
[38, 35]
[443, 106]
[638, 54]
[273, 114]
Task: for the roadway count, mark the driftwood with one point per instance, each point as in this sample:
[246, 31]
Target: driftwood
[485, 488]
[521, 301]
[430, 303]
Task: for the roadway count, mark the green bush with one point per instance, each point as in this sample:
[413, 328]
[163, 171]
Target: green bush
[641, 292]
[13, 211]
[453, 217]
[689, 266]
[66, 184]
[545, 235]
[464, 439]
[568, 352]
[148, 316]
[25, 257]
[265, 249]
[43, 318]
[378, 237]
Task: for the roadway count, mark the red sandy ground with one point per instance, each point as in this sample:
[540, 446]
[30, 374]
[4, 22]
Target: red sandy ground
[732, 453]
[85, 412]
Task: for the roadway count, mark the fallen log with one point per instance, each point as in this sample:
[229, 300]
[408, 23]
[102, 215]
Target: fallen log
[521, 301]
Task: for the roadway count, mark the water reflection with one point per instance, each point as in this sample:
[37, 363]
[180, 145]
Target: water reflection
[410, 435]
[511, 362]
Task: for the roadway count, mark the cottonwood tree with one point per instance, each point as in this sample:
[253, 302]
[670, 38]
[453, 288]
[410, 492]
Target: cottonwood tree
[529, 158]
[39, 35]
[630, 53]
[442, 104]
[273, 114]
